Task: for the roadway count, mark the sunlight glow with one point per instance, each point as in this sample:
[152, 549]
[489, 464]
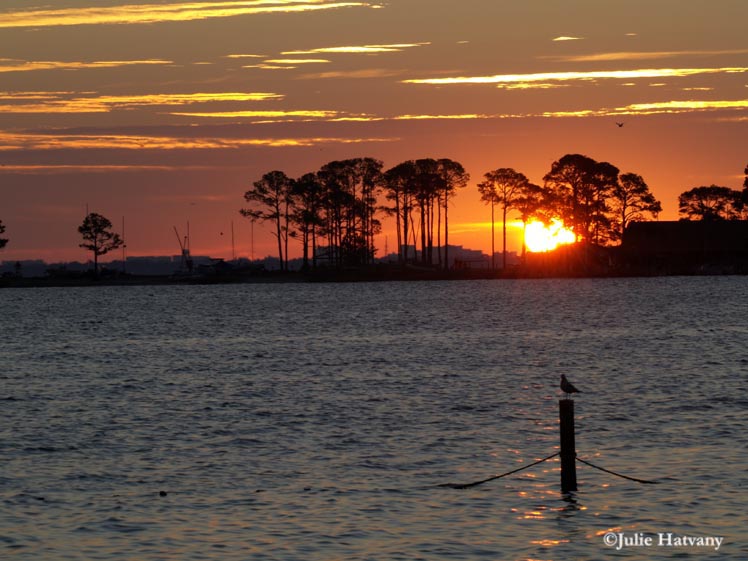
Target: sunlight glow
[541, 238]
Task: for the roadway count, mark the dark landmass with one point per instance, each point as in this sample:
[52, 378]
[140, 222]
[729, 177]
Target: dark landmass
[648, 249]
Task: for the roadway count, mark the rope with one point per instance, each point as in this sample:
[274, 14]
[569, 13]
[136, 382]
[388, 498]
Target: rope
[618, 474]
[475, 483]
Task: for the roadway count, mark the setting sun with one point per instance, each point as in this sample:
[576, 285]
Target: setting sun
[540, 237]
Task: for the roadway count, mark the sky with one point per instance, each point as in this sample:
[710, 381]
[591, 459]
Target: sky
[159, 113]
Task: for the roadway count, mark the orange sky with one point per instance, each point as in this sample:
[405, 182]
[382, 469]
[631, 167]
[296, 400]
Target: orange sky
[166, 112]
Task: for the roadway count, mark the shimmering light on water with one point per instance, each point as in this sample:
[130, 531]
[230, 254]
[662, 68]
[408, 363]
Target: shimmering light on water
[316, 422]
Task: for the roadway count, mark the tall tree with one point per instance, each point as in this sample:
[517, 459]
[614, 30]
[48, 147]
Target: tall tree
[400, 187]
[308, 196]
[3, 241]
[529, 204]
[710, 203]
[427, 191]
[351, 188]
[580, 186]
[503, 186]
[272, 198]
[98, 237]
[453, 176]
[631, 200]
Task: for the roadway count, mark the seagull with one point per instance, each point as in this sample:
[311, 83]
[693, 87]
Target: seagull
[567, 387]
[619, 124]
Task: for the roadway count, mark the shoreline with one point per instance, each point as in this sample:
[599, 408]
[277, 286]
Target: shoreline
[347, 276]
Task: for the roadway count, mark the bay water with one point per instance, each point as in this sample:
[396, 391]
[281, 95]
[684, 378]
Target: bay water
[319, 421]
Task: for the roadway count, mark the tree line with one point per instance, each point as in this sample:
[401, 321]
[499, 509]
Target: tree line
[335, 212]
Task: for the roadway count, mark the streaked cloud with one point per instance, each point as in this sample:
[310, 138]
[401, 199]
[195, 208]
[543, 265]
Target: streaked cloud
[157, 12]
[10, 141]
[64, 102]
[655, 108]
[441, 117]
[549, 77]
[354, 74]
[359, 49]
[649, 55]
[270, 114]
[682, 106]
[283, 116]
[16, 65]
[296, 61]
[567, 38]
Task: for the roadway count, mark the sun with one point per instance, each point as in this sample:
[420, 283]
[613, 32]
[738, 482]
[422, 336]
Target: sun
[539, 237]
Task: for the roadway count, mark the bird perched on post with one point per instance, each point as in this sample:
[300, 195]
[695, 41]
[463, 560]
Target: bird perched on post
[567, 387]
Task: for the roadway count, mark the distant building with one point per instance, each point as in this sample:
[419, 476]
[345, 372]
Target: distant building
[687, 246]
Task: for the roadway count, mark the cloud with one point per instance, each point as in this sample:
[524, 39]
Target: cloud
[16, 65]
[10, 141]
[296, 61]
[655, 108]
[283, 116]
[157, 12]
[64, 102]
[360, 49]
[354, 74]
[649, 55]
[549, 77]
[567, 38]
[269, 114]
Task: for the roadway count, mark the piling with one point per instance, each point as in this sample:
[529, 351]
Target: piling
[568, 448]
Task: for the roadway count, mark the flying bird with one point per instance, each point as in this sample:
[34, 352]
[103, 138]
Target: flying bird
[619, 124]
[567, 387]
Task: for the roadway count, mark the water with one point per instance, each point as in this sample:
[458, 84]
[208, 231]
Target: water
[315, 422]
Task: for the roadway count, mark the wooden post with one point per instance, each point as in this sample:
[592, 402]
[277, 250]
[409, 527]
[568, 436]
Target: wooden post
[568, 447]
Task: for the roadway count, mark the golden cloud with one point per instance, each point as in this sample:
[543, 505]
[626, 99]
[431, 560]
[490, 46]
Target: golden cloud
[547, 77]
[296, 61]
[359, 49]
[27, 141]
[15, 65]
[649, 55]
[155, 12]
[58, 102]
[654, 108]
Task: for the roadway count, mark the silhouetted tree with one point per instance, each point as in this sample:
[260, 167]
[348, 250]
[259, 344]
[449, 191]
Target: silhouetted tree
[710, 203]
[529, 204]
[307, 208]
[98, 237]
[351, 188]
[400, 188]
[428, 187]
[453, 176]
[579, 187]
[3, 241]
[631, 200]
[502, 186]
[273, 197]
